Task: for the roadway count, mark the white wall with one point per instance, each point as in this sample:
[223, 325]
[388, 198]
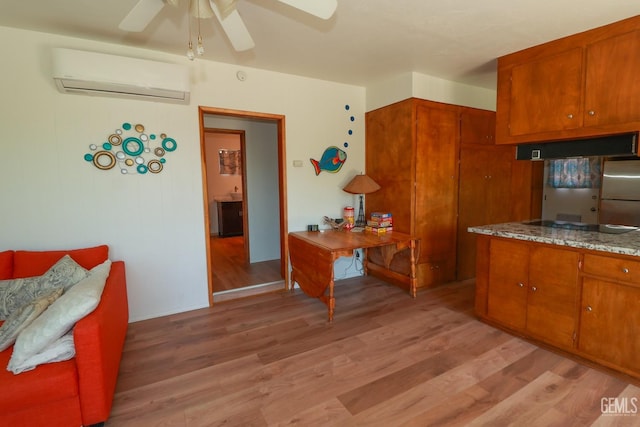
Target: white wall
[52, 198]
[410, 84]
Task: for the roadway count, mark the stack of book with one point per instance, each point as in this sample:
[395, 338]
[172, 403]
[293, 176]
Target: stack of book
[380, 222]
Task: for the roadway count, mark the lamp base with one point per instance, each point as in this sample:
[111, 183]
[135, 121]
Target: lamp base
[360, 222]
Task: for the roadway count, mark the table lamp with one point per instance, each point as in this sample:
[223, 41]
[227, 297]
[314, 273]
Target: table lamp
[361, 184]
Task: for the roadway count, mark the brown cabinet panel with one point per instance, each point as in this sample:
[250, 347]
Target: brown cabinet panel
[412, 152]
[484, 184]
[484, 193]
[612, 82]
[609, 323]
[579, 86]
[613, 268]
[553, 295]
[534, 289]
[508, 273]
[439, 176]
[546, 94]
[436, 179]
[542, 292]
[230, 219]
[477, 127]
[390, 161]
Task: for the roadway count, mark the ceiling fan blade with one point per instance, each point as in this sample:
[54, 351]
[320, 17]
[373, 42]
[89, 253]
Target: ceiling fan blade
[234, 28]
[141, 15]
[323, 9]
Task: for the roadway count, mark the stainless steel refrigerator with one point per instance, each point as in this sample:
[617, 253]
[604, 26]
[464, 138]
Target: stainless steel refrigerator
[620, 193]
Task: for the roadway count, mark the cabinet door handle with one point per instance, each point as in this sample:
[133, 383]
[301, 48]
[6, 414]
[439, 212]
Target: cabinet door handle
[625, 270]
[533, 289]
[592, 113]
[589, 308]
[570, 116]
[521, 285]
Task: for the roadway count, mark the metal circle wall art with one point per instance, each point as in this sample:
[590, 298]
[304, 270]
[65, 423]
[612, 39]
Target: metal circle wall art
[133, 150]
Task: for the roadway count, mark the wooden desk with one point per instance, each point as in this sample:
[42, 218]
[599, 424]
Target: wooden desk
[313, 253]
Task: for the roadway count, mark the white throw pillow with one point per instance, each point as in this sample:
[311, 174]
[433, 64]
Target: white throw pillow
[15, 293]
[60, 317]
[61, 349]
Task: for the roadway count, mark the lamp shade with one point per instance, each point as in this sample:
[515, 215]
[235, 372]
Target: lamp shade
[361, 184]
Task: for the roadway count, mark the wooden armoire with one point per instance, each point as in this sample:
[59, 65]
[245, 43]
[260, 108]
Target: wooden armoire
[418, 151]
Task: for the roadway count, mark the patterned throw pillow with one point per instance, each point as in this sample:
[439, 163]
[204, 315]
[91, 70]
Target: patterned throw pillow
[59, 318]
[21, 318]
[16, 293]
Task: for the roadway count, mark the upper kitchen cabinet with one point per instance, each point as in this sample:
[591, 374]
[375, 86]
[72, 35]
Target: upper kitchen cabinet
[579, 86]
[612, 82]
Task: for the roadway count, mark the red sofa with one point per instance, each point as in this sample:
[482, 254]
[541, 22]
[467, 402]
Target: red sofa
[79, 391]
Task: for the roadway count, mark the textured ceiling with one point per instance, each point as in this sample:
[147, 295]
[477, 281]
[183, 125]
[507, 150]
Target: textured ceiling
[364, 42]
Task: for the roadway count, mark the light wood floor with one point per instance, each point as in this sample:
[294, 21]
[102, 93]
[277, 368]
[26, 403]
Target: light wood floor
[230, 269]
[386, 360]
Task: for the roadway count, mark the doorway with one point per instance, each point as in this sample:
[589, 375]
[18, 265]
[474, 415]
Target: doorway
[239, 259]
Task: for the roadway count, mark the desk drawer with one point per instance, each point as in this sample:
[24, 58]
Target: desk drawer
[621, 269]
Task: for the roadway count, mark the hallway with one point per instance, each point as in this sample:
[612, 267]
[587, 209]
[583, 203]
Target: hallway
[231, 271]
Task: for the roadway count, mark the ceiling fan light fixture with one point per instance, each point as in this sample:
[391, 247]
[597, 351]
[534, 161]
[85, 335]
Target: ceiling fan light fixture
[190, 53]
[225, 7]
[200, 46]
[200, 9]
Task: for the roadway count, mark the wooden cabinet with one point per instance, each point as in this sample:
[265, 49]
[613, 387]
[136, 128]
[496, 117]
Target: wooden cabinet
[230, 219]
[440, 173]
[477, 127]
[581, 301]
[579, 86]
[534, 289]
[609, 312]
[412, 152]
[508, 278]
[546, 94]
[436, 195]
[612, 86]
[484, 189]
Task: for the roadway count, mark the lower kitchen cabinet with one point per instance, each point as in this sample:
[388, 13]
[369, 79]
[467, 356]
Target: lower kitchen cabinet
[610, 312]
[581, 301]
[533, 289]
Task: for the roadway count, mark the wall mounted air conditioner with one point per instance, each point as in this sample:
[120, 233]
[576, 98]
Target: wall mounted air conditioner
[92, 73]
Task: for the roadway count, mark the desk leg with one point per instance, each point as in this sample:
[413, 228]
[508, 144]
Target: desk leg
[414, 285]
[364, 261]
[331, 303]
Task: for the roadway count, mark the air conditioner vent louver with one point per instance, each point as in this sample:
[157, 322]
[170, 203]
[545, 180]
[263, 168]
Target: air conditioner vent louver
[109, 75]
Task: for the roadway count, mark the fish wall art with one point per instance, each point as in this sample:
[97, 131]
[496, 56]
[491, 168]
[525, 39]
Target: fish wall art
[331, 161]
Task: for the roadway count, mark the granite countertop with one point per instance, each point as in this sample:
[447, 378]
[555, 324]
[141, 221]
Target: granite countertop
[626, 243]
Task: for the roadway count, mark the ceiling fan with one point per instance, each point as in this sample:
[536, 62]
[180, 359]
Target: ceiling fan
[224, 10]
